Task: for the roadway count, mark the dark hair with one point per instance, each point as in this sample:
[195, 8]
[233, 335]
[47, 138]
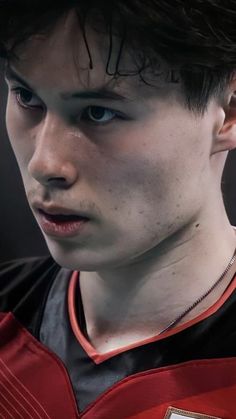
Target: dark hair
[196, 39]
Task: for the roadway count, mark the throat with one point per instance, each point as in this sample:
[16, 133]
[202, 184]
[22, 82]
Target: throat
[122, 313]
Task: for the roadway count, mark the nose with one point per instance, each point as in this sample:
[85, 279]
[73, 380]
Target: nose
[52, 160]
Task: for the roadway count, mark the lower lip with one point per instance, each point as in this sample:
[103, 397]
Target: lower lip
[61, 229]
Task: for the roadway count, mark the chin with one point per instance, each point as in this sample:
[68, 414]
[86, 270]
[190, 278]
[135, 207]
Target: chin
[74, 259]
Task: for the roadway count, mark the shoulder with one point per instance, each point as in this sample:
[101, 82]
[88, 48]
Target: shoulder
[24, 268]
[19, 271]
[22, 277]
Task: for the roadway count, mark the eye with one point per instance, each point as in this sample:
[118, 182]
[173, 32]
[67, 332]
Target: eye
[99, 114]
[26, 98]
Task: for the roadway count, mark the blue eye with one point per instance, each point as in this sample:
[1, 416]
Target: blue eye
[26, 98]
[98, 114]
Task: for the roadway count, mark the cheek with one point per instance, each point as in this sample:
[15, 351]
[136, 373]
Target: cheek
[130, 183]
[18, 133]
[156, 178]
[13, 123]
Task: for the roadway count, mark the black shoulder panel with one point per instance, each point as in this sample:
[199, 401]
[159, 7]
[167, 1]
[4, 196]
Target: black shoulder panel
[24, 286]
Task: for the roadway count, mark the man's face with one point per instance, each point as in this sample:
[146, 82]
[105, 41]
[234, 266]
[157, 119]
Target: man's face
[131, 158]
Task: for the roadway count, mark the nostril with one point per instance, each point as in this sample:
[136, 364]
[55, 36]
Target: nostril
[54, 181]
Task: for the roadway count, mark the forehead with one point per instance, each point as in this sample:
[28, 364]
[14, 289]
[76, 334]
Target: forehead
[60, 50]
[61, 59]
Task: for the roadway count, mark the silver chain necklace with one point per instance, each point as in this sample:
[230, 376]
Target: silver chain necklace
[200, 299]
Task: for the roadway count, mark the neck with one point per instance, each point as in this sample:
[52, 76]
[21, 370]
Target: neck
[134, 302]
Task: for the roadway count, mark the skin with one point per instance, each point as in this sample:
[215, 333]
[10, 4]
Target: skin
[149, 179]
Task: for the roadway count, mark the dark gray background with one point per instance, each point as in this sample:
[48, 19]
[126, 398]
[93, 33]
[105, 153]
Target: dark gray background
[19, 234]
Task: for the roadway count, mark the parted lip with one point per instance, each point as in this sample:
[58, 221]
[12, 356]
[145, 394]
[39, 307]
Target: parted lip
[57, 210]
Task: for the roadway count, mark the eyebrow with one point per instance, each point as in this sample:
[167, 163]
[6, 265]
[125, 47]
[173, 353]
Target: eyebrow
[100, 93]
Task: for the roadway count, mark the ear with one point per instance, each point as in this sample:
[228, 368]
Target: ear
[225, 139]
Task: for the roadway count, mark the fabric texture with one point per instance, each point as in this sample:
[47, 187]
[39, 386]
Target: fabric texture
[45, 369]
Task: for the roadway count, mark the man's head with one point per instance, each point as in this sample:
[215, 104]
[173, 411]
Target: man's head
[123, 112]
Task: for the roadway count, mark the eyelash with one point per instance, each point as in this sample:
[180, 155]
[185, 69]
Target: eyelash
[17, 91]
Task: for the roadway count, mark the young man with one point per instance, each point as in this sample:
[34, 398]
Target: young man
[120, 115]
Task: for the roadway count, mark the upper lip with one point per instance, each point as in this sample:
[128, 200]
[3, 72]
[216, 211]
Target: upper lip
[57, 210]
